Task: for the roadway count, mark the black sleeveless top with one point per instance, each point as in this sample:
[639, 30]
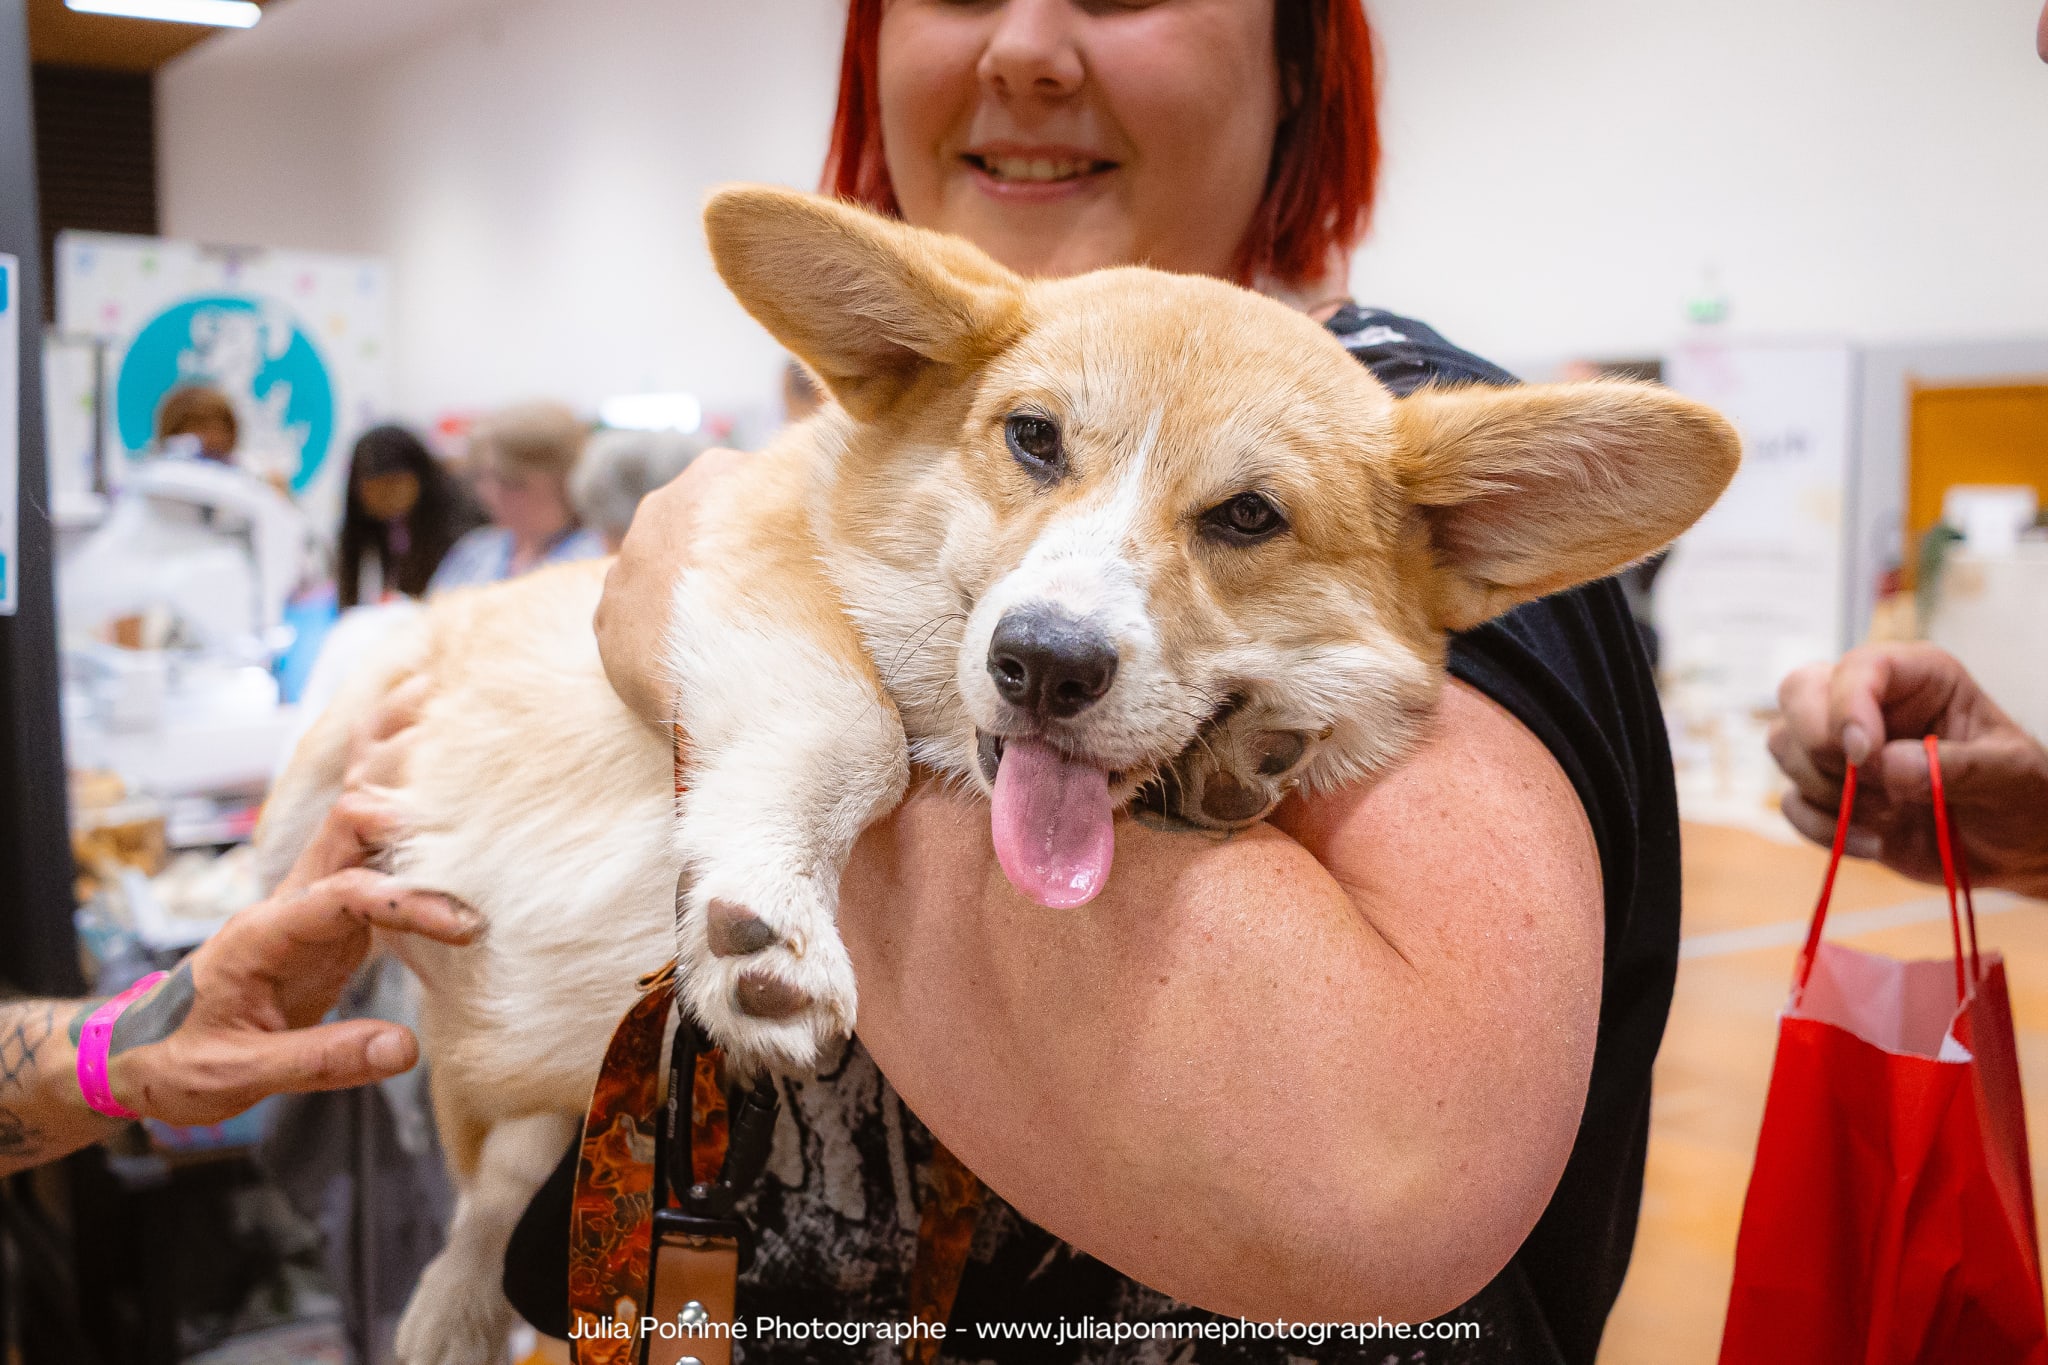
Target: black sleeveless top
[837, 1211]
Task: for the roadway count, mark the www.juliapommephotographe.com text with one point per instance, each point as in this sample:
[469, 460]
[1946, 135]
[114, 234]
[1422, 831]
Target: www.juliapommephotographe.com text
[1053, 1331]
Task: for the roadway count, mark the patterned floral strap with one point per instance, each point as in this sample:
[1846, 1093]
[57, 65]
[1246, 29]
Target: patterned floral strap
[708, 1120]
[613, 1205]
[945, 1233]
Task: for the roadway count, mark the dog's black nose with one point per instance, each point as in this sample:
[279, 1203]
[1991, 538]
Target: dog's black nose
[1049, 663]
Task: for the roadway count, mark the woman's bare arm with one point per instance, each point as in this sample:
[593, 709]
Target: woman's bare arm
[1330, 1073]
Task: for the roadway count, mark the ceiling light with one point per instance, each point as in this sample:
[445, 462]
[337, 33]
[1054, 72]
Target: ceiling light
[219, 13]
[651, 412]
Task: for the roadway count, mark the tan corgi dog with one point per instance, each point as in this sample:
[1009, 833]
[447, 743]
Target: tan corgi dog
[1124, 540]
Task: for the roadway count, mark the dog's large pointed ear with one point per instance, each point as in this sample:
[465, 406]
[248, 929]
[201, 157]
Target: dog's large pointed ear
[861, 299]
[1533, 489]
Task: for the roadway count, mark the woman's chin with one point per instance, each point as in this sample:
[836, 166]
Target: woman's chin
[1050, 250]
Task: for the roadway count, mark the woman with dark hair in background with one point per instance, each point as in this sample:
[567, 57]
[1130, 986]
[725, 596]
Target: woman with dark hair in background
[403, 513]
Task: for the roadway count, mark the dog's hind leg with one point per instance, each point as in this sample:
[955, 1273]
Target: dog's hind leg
[458, 1314]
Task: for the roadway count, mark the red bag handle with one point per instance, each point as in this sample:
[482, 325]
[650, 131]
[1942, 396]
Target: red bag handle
[1954, 869]
[1954, 872]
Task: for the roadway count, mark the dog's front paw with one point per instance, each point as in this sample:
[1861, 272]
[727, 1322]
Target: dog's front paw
[768, 976]
[1240, 766]
[458, 1315]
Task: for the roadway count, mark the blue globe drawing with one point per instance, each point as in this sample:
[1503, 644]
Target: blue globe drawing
[250, 349]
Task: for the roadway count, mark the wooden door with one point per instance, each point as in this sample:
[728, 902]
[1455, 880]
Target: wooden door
[1977, 433]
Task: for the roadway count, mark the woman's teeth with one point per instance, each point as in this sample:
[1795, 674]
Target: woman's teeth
[1041, 169]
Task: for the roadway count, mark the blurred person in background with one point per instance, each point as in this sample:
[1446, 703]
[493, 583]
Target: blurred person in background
[404, 513]
[618, 469]
[204, 414]
[521, 458]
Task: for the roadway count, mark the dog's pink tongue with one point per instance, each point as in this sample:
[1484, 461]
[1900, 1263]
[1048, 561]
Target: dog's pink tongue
[1052, 824]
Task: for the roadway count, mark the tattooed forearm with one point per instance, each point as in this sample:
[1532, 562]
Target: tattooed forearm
[157, 1015]
[25, 1027]
[19, 1142]
[25, 1030]
[149, 1020]
[76, 1030]
[42, 1113]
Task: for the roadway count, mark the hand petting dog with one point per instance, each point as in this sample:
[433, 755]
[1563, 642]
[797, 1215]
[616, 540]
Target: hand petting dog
[239, 1018]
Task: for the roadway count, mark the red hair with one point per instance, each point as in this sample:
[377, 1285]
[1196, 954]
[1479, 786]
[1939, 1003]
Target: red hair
[1326, 154]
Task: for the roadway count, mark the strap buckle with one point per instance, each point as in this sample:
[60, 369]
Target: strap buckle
[712, 1209]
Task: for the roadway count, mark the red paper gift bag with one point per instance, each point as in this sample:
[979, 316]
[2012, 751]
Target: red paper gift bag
[1890, 1217]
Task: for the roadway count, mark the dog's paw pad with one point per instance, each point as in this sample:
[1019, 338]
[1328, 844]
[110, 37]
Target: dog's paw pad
[761, 995]
[1229, 801]
[767, 975]
[732, 930]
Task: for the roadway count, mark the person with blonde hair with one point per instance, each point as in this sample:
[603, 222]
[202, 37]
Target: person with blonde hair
[521, 458]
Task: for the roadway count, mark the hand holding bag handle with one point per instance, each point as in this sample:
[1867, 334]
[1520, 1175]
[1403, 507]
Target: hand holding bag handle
[1955, 873]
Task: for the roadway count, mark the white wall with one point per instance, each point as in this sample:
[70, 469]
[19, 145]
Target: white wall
[534, 169]
[1559, 176]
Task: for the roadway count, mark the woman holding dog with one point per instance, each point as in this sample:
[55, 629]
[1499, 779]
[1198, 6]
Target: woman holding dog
[1386, 1057]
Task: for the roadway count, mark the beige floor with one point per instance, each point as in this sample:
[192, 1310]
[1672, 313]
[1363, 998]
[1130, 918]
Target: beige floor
[1713, 1071]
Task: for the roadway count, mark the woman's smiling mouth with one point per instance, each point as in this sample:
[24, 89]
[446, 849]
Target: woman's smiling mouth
[1028, 172]
[1040, 170]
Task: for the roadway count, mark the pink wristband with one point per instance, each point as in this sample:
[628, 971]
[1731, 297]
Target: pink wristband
[92, 1050]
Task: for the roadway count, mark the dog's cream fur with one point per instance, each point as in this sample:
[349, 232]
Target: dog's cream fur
[834, 627]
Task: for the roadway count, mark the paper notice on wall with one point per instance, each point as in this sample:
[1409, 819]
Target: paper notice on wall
[1756, 588]
[10, 433]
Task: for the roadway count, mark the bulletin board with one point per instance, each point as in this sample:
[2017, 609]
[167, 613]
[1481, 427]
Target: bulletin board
[298, 341]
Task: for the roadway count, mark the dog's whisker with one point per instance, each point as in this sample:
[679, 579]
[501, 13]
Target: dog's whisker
[919, 638]
[910, 648]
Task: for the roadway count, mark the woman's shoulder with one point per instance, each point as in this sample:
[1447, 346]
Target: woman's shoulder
[477, 542]
[1405, 354]
[1571, 667]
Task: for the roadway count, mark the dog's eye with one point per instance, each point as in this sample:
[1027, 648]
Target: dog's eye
[1035, 441]
[1244, 520]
